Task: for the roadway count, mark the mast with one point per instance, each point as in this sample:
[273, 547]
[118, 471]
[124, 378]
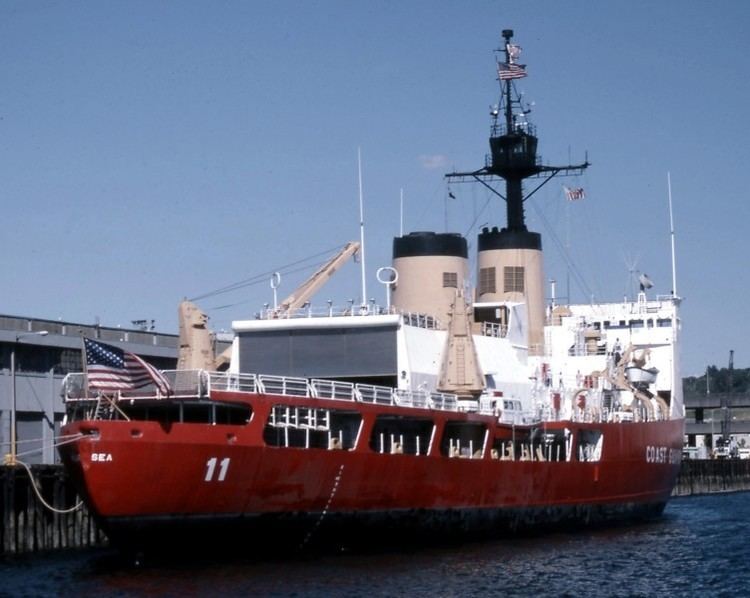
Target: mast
[509, 261]
[513, 143]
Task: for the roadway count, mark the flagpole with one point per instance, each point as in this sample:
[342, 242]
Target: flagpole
[84, 367]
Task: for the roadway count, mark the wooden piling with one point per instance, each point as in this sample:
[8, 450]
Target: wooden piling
[710, 476]
[28, 526]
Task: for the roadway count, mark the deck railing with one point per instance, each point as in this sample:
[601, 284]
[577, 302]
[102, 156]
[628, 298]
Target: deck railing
[192, 384]
[200, 383]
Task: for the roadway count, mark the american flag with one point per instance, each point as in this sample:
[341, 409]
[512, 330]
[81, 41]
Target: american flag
[574, 194]
[110, 369]
[510, 71]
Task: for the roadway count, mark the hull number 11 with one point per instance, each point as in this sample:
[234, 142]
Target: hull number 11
[211, 469]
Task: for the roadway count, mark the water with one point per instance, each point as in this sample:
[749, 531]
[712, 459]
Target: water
[699, 547]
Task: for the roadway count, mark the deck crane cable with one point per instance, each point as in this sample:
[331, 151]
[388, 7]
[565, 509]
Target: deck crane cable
[259, 278]
[264, 280]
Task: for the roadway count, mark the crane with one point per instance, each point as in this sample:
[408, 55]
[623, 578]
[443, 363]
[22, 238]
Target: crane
[196, 349]
[302, 294]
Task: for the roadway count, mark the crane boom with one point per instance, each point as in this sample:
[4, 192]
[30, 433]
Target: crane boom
[312, 285]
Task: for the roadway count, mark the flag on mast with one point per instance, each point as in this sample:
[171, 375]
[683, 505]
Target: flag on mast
[574, 194]
[514, 51]
[510, 71]
[110, 369]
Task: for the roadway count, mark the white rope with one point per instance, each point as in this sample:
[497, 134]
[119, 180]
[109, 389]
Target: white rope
[41, 498]
[68, 439]
[29, 441]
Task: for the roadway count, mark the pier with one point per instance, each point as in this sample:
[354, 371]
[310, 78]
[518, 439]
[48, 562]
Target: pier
[711, 476]
[28, 525]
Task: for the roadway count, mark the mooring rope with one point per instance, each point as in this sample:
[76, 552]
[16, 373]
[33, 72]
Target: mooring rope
[41, 498]
[65, 439]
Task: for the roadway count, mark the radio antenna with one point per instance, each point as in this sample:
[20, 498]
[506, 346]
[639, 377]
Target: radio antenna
[361, 229]
[671, 234]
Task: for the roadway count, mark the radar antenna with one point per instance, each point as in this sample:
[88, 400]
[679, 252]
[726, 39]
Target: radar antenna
[645, 282]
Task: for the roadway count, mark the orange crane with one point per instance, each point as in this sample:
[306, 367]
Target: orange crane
[197, 341]
[302, 294]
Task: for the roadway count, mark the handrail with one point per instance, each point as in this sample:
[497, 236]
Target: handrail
[332, 389]
[378, 395]
[192, 384]
[283, 385]
[494, 329]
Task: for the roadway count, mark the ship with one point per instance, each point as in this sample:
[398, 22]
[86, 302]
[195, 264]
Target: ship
[468, 406]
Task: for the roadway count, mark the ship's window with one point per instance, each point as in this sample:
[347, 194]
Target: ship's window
[232, 415]
[450, 279]
[196, 413]
[495, 314]
[664, 323]
[394, 434]
[553, 445]
[513, 279]
[187, 412]
[164, 413]
[463, 439]
[636, 323]
[533, 445]
[293, 426]
[486, 280]
[589, 445]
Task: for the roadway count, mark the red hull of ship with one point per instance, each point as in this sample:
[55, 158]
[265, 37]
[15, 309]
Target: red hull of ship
[142, 479]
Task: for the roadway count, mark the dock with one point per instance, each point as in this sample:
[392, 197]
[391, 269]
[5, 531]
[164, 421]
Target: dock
[28, 525]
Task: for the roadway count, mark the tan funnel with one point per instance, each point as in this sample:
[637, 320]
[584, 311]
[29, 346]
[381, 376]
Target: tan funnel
[431, 268]
[510, 268]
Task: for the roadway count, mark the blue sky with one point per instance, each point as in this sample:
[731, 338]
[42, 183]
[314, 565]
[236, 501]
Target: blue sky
[151, 151]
